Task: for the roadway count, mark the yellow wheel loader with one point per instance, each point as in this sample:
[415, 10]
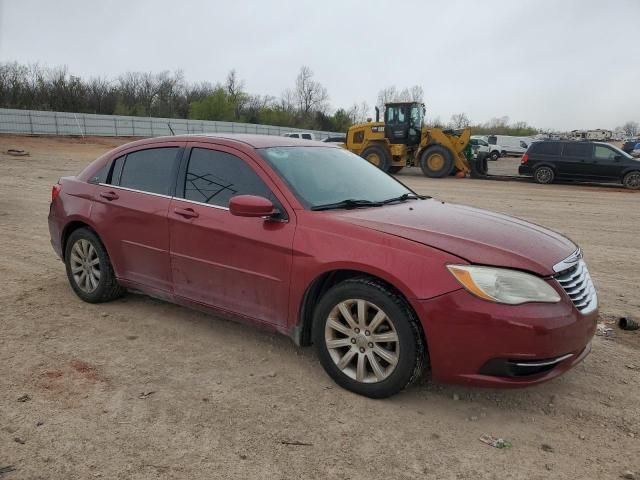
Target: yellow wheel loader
[402, 141]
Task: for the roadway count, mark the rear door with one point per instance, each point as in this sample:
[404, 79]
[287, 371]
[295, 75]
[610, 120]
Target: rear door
[576, 161]
[130, 210]
[238, 264]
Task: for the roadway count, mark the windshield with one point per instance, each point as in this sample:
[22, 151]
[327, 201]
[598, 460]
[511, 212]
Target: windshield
[621, 152]
[325, 175]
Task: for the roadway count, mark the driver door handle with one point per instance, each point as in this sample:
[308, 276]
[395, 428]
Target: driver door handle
[186, 212]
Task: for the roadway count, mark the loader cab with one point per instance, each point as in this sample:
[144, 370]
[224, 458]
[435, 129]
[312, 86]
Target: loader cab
[403, 122]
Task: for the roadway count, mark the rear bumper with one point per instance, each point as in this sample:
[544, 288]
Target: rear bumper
[525, 169]
[55, 232]
[480, 343]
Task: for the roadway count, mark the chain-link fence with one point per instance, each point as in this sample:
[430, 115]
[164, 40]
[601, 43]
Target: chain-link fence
[35, 122]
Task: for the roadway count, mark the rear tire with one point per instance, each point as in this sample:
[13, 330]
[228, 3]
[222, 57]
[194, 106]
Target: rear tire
[89, 268]
[436, 162]
[544, 175]
[632, 180]
[378, 156]
[395, 169]
[376, 361]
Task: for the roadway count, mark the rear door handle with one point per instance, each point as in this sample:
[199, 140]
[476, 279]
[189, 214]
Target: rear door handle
[109, 195]
[186, 212]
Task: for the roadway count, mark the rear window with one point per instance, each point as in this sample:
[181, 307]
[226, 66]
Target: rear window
[577, 149]
[150, 170]
[546, 148]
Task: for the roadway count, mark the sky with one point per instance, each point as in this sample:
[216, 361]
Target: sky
[556, 64]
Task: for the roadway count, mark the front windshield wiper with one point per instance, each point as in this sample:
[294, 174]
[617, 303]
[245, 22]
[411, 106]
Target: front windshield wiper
[348, 203]
[404, 197]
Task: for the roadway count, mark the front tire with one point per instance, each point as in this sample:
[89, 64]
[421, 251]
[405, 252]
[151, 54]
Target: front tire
[544, 175]
[89, 268]
[632, 180]
[495, 155]
[367, 338]
[436, 162]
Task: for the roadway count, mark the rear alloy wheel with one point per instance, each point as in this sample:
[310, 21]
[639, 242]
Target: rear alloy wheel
[544, 175]
[378, 156]
[632, 180]
[436, 162]
[89, 269]
[367, 339]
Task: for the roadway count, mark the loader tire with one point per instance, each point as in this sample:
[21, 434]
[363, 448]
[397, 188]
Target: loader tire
[378, 156]
[436, 162]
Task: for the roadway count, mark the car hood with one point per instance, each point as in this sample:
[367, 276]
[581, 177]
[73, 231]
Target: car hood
[478, 236]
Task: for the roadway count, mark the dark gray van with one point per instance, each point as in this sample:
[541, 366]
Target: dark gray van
[549, 160]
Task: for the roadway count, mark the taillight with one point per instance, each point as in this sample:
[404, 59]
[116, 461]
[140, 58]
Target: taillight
[525, 158]
[55, 191]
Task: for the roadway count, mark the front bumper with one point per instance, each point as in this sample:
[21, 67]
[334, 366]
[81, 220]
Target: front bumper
[475, 342]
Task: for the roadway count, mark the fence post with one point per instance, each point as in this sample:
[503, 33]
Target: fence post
[151, 122]
[55, 119]
[133, 126]
[115, 125]
[30, 123]
[84, 124]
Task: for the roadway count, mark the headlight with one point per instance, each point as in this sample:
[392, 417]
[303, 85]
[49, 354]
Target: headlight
[503, 285]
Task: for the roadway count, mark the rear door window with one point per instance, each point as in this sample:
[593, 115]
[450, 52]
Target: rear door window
[306, 136]
[151, 170]
[214, 177]
[577, 149]
[546, 148]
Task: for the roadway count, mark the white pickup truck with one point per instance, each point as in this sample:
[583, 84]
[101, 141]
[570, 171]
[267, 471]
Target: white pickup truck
[480, 144]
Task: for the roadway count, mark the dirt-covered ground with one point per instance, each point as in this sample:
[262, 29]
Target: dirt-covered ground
[139, 388]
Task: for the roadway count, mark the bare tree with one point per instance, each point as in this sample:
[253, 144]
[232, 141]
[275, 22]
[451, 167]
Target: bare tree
[359, 112]
[310, 95]
[235, 89]
[631, 128]
[387, 95]
[417, 94]
[459, 120]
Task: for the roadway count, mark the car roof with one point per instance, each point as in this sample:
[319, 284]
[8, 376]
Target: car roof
[252, 140]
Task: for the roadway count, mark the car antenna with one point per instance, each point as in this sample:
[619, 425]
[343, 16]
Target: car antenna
[171, 129]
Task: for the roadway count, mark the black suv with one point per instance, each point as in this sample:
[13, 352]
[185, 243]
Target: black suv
[590, 161]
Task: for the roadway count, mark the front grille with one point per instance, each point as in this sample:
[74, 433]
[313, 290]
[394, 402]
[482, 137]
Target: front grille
[576, 281]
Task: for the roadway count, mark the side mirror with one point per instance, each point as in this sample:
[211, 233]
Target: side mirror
[251, 206]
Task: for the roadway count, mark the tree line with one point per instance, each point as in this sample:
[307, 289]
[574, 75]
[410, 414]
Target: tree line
[167, 94]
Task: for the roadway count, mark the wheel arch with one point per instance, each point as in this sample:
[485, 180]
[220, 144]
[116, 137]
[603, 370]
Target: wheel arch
[322, 283]
[71, 227]
[545, 164]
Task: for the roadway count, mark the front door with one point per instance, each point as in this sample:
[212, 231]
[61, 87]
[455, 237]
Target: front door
[238, 264]
[131, 207]
[605, 165]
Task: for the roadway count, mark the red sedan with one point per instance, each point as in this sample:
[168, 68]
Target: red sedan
[315, 242]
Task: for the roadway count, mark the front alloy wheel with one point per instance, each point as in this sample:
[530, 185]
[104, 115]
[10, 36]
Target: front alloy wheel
[362, 341]
[368, 338]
